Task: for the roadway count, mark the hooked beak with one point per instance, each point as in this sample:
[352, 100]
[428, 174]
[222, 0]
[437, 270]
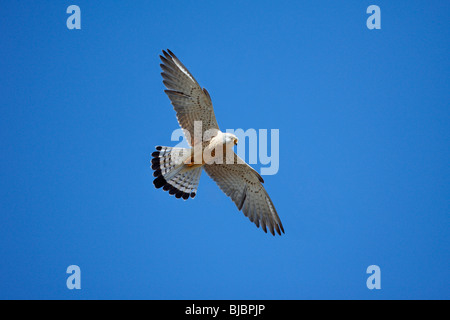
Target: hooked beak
[236, 141]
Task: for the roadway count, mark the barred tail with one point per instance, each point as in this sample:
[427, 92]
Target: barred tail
[172, 174]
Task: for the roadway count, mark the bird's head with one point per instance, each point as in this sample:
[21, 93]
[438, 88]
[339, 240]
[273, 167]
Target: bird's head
[230, 139]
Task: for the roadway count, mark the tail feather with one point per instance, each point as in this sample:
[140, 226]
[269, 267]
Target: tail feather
[172, 174]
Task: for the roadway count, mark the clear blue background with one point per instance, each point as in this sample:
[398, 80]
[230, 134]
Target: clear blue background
[364, 149]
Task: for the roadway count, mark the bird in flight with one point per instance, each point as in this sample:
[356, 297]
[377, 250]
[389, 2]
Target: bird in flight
[178, 170]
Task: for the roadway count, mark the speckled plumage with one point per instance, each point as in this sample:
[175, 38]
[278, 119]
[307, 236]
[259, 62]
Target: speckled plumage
[173, 167]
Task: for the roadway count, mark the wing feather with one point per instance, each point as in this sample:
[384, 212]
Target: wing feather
[243, 185]
[189, 100]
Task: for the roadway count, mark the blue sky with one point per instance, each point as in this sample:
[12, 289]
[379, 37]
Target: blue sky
[364, 150]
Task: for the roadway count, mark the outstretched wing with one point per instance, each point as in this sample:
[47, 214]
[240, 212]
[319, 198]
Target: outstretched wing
[244, 186]
[190, 101]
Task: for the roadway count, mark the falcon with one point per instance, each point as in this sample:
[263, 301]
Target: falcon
[178, 170]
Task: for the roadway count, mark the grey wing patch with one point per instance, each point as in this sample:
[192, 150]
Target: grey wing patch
[190, 101]
[243, 186]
